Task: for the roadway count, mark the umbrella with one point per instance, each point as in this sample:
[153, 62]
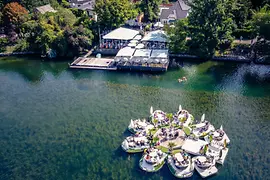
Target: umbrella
[137, 60]
[156, 60]
[150, 60]
[144, 60]
[134, 41]
[125, 59]
[138, 37]
[132, 44]
[140, 46]
[163, 61]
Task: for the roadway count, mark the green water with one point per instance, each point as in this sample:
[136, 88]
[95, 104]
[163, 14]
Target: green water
[57, 123]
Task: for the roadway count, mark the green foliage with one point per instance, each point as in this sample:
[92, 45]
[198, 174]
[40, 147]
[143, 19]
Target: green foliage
[150, 9]
[113, 13]
[59, 32]
[32, 4]
[22, 46]
[3, 44]
[177, 36]
[242, 12]
[261, 20]
[210, 25]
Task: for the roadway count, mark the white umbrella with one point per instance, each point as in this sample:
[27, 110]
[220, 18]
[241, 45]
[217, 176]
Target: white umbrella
[151, 110]
[156, 60]
[137, 60]
[134, 41]
[138, 37]
[202, 118]
[163, 61]
[132, 44]
[144, 60]
[140, 46]
[149, 60]
[125, 59]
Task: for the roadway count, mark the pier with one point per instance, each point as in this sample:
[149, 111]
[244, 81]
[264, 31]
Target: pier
[93, 63]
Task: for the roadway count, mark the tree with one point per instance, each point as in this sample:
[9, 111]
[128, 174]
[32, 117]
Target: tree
[261, 20]
[177, 36]
[155, 121]
[171, 146]
[170, 117]
[150, 9]
[113, 13]
[242, 13]
[210, 25]
[14, 13]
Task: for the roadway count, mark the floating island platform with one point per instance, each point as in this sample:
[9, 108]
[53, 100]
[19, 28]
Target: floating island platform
[179, 140]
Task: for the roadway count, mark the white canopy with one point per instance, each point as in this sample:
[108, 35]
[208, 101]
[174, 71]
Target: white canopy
[132, 44]
[134, 41]
[125, 52]
[138, 37]
[142, 53]
[158, 53]
[158, 36]
[121, 34]
[140, 46]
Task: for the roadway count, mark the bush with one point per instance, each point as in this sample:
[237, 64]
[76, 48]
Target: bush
[3, 44]
[245, 33]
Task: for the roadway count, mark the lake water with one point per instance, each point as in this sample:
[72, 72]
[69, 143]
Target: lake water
[58, 123]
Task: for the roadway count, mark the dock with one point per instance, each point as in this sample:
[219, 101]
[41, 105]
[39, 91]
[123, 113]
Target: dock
[93, 63]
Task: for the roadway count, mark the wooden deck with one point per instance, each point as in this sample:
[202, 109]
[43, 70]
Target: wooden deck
[93, 63]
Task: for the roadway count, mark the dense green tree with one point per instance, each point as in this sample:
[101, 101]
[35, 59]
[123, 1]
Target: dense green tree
[113, 13]
[177, 36]
[261, 20]
[150, 9]
[210, 25]
[242, 12]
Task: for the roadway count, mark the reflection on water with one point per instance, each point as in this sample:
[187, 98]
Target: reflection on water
[57, 123]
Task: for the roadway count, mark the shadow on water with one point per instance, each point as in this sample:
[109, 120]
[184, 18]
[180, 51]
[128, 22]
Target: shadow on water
[32, 69]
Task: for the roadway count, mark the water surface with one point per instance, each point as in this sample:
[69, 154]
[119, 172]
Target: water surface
[57, 123]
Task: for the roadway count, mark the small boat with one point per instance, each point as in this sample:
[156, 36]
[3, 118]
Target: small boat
[202, 129]
[161, 118]
[181, 165]
[218, 138]
[138, 125]
[205, 166]
[183, 79]
[184, 117]
[136, 143]
[152, 160]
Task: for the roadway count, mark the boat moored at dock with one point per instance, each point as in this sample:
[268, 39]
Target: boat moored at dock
[152, 160]
[136, 143]
[205, 166]
[181, 165]
[138, 125]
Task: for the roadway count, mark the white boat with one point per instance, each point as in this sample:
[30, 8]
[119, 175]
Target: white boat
[152, 160]
[138, 125]
[218, 154]
[202, 129]
[205, 166]
[218, 138]
[135, 143]
[184, 118]
[181, 165]
[161, 118]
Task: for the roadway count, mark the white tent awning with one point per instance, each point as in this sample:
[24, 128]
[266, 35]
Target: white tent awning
[121, 34]
[158, 36]
[159, 53]
[125, 52]
[142, 53]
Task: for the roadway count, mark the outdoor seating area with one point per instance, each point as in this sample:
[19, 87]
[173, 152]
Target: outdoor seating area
[172, 140]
